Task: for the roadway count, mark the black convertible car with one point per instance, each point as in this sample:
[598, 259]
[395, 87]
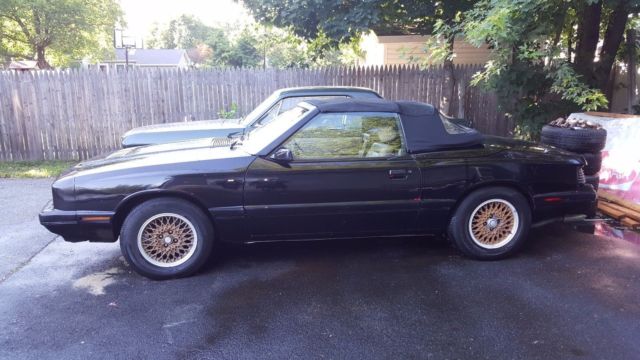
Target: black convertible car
[322, 170]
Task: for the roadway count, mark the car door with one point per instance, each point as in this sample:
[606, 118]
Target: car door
[350, 176]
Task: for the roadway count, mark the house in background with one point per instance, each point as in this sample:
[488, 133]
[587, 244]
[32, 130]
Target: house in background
[400, 49]
[148, 58]
[23, 65]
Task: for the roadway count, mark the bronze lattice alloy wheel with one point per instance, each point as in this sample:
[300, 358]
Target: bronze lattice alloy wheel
[490, 223]
[166, 238]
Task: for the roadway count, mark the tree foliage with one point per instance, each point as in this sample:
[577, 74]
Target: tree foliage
[341, 21]
[544, 54]
[549, 57]
[250, 46]
[337, 20]
[57, 32]
[336, 23]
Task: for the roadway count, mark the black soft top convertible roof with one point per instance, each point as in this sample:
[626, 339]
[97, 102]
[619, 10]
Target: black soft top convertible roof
[425, 129]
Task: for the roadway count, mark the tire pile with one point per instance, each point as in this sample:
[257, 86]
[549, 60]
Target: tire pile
[583, 137]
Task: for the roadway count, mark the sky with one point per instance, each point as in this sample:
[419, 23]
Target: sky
[141, 14]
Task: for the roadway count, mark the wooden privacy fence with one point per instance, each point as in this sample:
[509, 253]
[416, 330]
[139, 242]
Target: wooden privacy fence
[78, 114]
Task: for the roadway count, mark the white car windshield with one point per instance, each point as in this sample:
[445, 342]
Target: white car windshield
[261, 137]
[259, 110]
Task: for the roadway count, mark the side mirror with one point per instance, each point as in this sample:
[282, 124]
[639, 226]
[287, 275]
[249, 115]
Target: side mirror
[282, 155]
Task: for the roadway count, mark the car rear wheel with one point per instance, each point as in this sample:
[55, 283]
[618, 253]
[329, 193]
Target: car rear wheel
[166, 238]
[490, 223]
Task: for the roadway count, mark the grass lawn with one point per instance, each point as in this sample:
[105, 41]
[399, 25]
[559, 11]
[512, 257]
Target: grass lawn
[33, 169]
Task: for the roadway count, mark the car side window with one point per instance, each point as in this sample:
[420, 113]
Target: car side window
[289, 103]
[348, 135]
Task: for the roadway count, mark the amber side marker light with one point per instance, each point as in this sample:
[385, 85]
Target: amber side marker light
[552, 199]
[95, 218]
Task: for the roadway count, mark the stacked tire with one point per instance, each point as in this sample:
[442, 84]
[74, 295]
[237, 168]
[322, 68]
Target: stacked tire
[587, 142]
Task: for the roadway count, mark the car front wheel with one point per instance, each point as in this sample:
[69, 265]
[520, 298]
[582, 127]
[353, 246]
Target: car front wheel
[490, 223]
[166, 238]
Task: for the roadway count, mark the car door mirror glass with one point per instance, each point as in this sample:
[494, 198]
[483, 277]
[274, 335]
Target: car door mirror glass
[282, 155]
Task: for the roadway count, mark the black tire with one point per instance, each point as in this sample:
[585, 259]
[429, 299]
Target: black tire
[594, 163]
[576, 140]
[198, 225]
[594, 180]
[459, 227]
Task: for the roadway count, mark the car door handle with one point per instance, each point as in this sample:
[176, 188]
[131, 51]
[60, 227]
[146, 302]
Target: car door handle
[399, 174]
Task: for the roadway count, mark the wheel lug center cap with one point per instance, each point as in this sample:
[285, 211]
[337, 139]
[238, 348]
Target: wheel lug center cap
[167, 240]
[492, 223]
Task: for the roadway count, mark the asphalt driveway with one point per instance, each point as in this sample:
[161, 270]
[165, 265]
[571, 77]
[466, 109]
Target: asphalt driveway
[568, 295]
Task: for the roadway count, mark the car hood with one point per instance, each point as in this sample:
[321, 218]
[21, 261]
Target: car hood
[180, 131]
[162, 154]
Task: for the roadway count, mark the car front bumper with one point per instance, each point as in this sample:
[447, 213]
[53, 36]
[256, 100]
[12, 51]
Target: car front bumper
[76, 226]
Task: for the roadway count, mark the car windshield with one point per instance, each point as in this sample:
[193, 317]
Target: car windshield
[259, 110]
[259, 138]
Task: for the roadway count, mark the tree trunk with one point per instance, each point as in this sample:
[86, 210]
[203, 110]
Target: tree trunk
[570, 41]
[631, 58]
[448, 87]
[560, 19]
[588, 35]
[42, 61]
[617, 23]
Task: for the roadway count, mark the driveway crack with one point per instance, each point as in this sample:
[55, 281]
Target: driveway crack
[26, 262]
